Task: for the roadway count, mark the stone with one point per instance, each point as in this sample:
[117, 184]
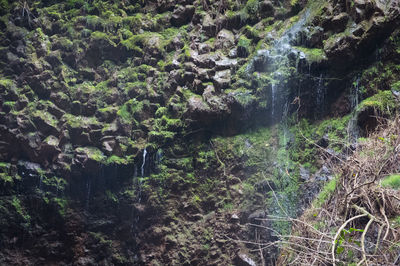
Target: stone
[60, 99]
[339, 22]
[54, 58]
[204, 48]
[304, 173]
[243, 259]
[182, 15]
[49, 148]
[266, 9]
[233, 53]
[204, 60]
[222, 79]
[235, 218]
[225, 39]
[225, 63]
[209, 25]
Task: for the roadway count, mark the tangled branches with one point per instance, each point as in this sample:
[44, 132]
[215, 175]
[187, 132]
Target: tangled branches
[355, 226]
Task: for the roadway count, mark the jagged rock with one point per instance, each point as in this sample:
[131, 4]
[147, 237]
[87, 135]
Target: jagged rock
[204, 60]
[266, 9]
[60, 99]
[49, 148]
[225, 39]
[235, 218]
[363, 9]
[339, 22]
[47, 124]
[204, 48]
[109, 144]
[222, 79]
[243, 259]
[197, 105]
[54, 58]
[304, 173]
[182, 15]
[341, 48]
[38, 84]
[233, 53]
[209, 25]
[225, 63]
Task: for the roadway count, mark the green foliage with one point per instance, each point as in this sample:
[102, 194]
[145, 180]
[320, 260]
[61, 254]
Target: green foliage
[312, 54]
[61, 204]
[114, 159]
[92, 153]
[326, 192]
[252, 7]
[383, 101]
[346, 236]
[391, 181]
[16, 203]
[111, 196]
[3, 6]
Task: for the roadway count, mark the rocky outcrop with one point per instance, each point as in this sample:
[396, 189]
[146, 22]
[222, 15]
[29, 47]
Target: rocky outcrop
[106, 113]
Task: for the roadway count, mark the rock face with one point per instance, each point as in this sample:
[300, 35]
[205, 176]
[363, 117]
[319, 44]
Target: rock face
[109, 112]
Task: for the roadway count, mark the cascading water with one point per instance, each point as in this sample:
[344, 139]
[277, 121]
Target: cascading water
[278, 61]
[352, 128]
[321, 95]
[88, 187]
[136, 216]
[144, 162]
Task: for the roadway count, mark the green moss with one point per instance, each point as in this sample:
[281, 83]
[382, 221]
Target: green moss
[97, 36]
[312, 54]
[130, 108]
[326, 193]
[114, 159]
[4, 6]
[92, 153]
[244, 43]
[6, 83]
[16, 203]
[383, 101]
[391, 181]
[54, 183]
[111, 196]
[61, 204]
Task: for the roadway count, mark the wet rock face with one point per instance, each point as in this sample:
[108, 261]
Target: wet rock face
[87, 89]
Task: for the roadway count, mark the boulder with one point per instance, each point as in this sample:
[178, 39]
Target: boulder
[222, 79]
[204, 48]
[225, 63]
[204, 60]
[243, 259]
[225, 39]
[49, 149]
[266, 9]
[209, 25]
[339, 22]
[182, 15]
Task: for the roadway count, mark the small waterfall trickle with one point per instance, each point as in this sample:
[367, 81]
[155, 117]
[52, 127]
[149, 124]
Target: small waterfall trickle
[158, 159]
[273, 92]
[321, 95]
[88, 188]
[144, 162]
[278, 61]
[352, 128]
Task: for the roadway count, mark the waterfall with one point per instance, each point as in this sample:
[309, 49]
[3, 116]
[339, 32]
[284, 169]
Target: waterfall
[88, 186]
[278, 62]
[352, 128]
[321, 95]
[144, 161]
